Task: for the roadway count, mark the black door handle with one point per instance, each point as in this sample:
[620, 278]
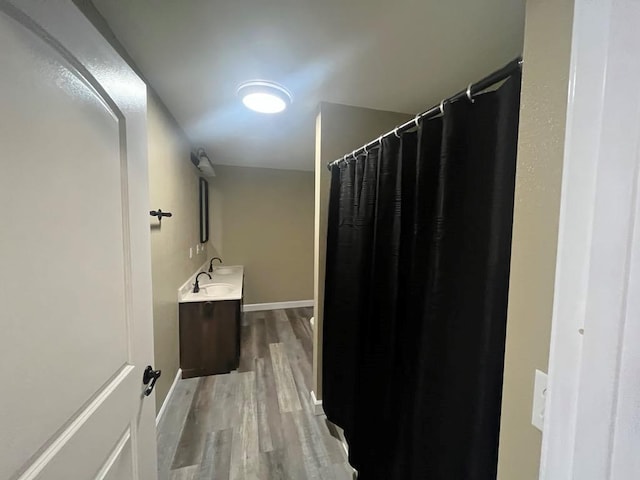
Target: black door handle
[149, 377]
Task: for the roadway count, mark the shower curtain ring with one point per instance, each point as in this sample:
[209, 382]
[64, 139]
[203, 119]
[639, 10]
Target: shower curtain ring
[395, 132]
[417, 121]
[442, 107]
[380, 140]
[366, 152]
[469, 95]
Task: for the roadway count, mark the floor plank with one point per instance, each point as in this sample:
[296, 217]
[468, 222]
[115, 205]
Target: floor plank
[286, 388]
[186, 473]
[225, 411]
[262, 396]
[270, 326]
[216, 458]
[338, 471]
[172, 424]
[244, 451]
[178, 406]
[196, 427]
[292, 450]
[262, 348]
[247, 348]
[271, 407]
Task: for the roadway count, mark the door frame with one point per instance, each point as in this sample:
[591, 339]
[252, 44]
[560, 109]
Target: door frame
[595, 314]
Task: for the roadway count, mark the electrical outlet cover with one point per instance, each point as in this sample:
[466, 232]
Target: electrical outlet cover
[539, 400]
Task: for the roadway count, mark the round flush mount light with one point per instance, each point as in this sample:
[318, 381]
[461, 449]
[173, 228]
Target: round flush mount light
[264, 97]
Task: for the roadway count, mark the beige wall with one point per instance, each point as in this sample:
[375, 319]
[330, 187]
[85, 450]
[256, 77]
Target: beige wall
[173, 187]
[535, 229]
[340, 129]
[263, 219]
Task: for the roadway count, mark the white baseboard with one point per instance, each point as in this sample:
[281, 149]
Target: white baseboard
[255, 307]
[163, 408]
[317, 404]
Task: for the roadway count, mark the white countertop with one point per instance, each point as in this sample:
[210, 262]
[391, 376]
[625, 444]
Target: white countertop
[225, 284]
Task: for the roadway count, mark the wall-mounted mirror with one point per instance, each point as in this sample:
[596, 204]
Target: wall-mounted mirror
[204, 210]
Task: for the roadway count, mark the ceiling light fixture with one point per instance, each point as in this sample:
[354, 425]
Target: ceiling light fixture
[264, 97]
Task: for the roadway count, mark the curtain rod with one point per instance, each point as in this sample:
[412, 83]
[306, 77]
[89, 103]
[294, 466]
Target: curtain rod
[497, 76]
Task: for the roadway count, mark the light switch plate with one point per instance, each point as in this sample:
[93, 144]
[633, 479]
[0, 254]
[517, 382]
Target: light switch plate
[539, 398]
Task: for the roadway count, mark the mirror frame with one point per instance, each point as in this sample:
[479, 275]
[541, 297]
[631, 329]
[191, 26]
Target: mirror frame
[204, 210]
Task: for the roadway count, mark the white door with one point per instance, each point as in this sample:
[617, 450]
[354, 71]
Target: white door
[592, 426]
[75, 282]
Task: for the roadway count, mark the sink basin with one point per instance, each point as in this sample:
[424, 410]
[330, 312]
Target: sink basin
[218, 289]
[226, 285]
[224, 270]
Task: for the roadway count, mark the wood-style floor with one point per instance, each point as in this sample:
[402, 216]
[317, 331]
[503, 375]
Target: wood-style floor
[256, 423]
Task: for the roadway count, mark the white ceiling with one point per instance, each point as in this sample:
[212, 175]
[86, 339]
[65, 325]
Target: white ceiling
[402, 55]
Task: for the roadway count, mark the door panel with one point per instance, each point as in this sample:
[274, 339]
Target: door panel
[120, 463]
[92, 437]
[75, 276]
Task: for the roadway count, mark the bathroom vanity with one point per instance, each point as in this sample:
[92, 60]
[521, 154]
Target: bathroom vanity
[210, 323]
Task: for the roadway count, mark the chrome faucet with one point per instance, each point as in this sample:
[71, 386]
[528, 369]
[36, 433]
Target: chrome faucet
[196, 286]
[211, 263]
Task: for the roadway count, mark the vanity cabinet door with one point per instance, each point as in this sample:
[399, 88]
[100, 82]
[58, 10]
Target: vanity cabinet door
[208, 338]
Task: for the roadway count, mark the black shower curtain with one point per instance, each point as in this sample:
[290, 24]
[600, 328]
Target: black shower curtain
[418, 253]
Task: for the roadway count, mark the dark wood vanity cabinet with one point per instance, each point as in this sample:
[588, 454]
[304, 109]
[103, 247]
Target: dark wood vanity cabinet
[209, 337]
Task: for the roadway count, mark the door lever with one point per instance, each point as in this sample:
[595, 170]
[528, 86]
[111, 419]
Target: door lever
[149, 377]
